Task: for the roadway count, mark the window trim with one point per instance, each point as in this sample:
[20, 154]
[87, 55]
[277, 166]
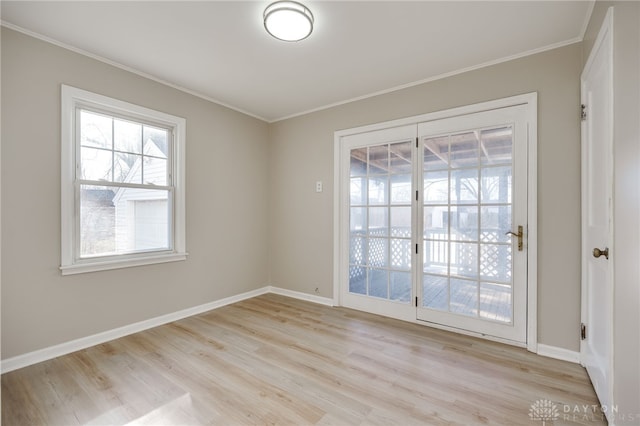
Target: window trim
[71, 98]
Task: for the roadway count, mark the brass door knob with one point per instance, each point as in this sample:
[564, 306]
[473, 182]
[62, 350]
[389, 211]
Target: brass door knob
[597, 252]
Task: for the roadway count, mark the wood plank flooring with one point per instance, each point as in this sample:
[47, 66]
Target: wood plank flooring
[276, 360]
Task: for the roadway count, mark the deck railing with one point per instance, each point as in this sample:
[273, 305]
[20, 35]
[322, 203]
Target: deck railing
[391, 248]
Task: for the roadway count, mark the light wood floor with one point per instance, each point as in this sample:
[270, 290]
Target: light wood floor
[276, 360]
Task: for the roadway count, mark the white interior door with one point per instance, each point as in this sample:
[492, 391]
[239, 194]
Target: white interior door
[473, 269]
[597, 244]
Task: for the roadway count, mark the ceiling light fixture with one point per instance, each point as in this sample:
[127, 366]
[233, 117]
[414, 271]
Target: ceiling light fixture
[288, 20]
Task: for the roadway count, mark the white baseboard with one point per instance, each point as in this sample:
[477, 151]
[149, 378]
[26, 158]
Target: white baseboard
[558, 353]
[51, 352]
[301, 296]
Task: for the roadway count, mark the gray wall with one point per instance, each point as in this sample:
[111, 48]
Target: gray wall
[625, 255]
[226, 194]
[301, 152]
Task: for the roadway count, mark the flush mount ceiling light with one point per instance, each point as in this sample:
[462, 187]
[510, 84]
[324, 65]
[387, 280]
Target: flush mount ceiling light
[288, 20]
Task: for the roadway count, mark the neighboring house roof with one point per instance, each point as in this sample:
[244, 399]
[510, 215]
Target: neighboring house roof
[151, 148]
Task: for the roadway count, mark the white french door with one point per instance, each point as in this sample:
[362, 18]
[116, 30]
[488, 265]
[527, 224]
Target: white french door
[473, 170]
[432, 219]
[379, 213]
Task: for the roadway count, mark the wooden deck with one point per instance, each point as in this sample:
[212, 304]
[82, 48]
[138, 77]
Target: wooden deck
[491, 302]
[276, 360]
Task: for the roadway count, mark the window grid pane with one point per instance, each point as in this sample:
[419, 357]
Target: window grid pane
[118, 150]
[380, 221]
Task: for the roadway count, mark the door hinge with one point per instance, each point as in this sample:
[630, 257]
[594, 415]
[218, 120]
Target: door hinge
[416, 195]
[416, 301]
[416, 142]
[583, 112]
[416, 248]
[583, 331]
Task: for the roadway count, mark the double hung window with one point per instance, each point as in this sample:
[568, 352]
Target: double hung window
[122, 184]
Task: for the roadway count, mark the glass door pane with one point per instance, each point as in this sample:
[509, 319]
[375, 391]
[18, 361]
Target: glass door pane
[380, 196]
[467, 209]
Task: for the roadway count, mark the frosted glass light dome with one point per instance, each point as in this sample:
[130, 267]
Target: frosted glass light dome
[288, 20]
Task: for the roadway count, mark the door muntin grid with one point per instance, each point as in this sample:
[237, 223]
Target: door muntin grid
[467, 209]
[380, 217]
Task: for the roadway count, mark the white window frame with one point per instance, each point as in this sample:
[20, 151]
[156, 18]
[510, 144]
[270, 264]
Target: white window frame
[71, 263]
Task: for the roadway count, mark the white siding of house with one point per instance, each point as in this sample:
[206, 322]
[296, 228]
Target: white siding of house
[142, 215]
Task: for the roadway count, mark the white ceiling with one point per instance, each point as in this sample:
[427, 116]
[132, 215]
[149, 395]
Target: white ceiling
[220, 50]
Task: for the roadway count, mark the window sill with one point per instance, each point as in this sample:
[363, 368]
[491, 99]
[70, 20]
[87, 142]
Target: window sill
[105, 265]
